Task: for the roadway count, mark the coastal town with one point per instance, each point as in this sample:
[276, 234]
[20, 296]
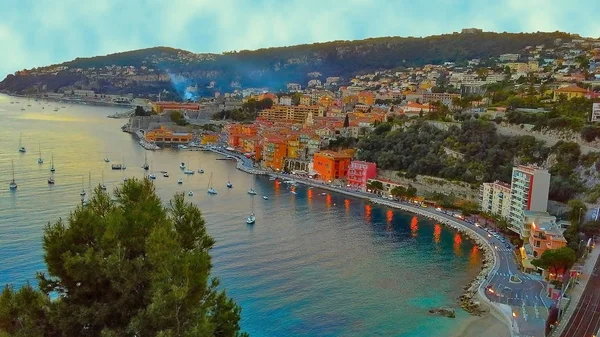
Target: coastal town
[537, 230]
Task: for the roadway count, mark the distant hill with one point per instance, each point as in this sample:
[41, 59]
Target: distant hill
[271, 67]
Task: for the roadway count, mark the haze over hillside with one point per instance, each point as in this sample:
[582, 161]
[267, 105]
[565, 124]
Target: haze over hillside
[151, 70]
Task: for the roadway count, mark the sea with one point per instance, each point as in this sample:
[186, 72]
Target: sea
[311, 265]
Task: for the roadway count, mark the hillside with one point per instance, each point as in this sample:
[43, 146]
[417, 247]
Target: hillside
[156, 68]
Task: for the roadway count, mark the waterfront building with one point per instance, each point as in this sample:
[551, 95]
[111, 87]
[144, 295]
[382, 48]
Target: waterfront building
[274, 152]
[331, 165]
[209, 138]
[164, 135]
[158, 107]
[530, 186]
[494, 198]
[359, 173]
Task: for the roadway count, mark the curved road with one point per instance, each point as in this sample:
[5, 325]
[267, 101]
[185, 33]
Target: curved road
[526, 298]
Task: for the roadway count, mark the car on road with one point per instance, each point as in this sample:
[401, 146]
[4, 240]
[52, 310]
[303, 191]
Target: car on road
[507, 245]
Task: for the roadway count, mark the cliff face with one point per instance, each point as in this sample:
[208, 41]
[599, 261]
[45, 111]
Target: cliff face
[151, 70]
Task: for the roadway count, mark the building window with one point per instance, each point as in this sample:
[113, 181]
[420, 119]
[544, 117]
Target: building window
[535, 254]
[537, 243]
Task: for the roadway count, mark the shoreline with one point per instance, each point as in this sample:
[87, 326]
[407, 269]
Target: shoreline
[483, 319]
[72, 101]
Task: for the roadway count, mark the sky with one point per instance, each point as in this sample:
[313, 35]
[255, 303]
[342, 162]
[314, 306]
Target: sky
[41, 32]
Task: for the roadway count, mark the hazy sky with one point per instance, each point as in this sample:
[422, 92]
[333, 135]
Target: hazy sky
[41, 32]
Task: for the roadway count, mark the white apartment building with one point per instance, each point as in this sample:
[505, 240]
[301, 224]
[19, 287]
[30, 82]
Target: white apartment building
[495, 198]
[285, 100]
[595, 112]
[529, 192]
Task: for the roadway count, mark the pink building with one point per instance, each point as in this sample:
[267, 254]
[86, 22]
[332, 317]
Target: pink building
[359, 172]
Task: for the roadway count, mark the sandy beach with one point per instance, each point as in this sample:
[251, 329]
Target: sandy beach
[486, 325]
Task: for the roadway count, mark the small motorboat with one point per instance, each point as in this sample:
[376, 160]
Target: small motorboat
[188, 171]
[163, 172]
[182, 165]
[212, 191]
[251, 219]
[190, 193]
[82, 193]
[151, 176]
[125, 179]
[103, 187]
[106, 160]
[251, 192]
[229, 184]
[200, 171]
[166, 175]
[180, 181]
[265, 197]
[50, 181]
[323, 194]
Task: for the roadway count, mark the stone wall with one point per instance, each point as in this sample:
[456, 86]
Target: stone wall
[427, 185]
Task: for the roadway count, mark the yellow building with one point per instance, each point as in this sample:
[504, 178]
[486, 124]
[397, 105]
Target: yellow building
[295, 114]
[210, 138]
[570, 92]
[293, 146]
[305, 100]
[164, 135]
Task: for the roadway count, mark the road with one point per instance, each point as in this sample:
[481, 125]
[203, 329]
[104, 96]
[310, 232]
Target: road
[585, 321]
[525, 296]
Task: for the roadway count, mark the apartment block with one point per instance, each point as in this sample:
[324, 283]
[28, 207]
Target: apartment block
[529, 192]
[495, 198]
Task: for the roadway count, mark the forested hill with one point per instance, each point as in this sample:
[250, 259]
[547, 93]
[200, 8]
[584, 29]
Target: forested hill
[270, 67]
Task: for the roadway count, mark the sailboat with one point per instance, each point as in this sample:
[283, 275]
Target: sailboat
[13, 184]
[85, 201]
[102, 186]
[40, 160]
[211, 190]
[52, 169]
[251, 218]
[151, 175]
[200, 170]
[50, 181]
[21, 147]
[145, 166]
[191, 193]
[82, 188]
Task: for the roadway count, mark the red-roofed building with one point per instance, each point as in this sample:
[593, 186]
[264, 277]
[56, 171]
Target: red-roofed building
[570, 92]
[274, 152]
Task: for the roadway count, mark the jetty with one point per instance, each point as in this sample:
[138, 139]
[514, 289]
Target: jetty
[125, 114]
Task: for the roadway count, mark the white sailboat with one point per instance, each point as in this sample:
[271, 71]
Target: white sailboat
[145, 166]
[21, 147]
[52, 169]
[40, 159]
[151, 175]
[211, 190]
[102, 186]
[13, 184]
[251, 218]
[82, 193]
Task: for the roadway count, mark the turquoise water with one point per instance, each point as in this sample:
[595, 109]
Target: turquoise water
[312, 265]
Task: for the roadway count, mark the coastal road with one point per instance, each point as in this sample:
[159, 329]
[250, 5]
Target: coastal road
[524, 295]
[585, 321]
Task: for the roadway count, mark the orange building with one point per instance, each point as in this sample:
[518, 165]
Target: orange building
[546, 236]
[331, 165]
[164, 135]
[274, 152]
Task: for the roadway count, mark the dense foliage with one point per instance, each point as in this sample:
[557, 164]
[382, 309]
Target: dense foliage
[422, 149]
[474, 152]
[125, 268]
